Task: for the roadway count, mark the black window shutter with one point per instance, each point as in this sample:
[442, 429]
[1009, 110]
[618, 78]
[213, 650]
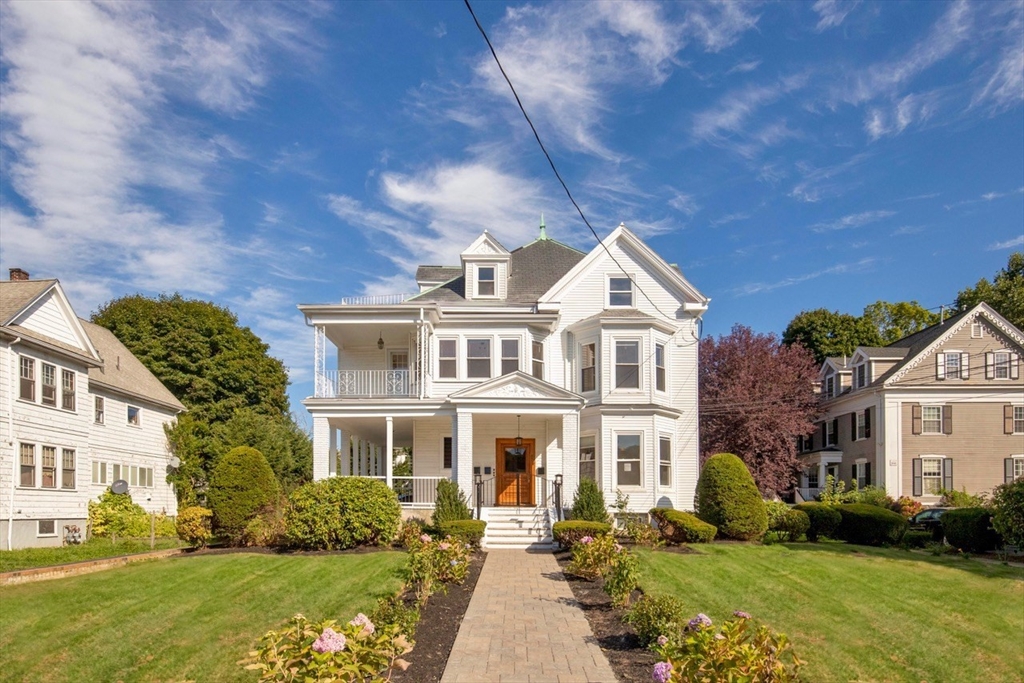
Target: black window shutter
[947, 419]
[867, 422]
[1007, 470]
[824, 435]
[835, 431]
[915, 421]
[867, 474]
[853, 426]
[947, 474]
[918, 481]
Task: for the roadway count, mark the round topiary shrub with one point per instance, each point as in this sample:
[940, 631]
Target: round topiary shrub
[865, 524]
[728, 499]
[241, 484]
[678, 527]
[824, 520]
[791, 525]
[342, 512]
[589, 503]
[970, 530]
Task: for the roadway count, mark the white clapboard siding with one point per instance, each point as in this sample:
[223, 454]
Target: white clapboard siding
[48, 317]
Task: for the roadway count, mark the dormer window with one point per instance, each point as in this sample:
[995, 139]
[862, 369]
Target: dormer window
[860, 375]
[828, 387]
[485, 281]
[620, 292]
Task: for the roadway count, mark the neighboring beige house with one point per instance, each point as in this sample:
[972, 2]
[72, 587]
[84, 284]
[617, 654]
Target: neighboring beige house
[77, 412]
[941, 408]
[588, 359]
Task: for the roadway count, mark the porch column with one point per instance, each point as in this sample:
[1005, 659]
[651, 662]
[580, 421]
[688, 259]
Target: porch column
[822, 471]
[569, 468]
[357, 453]
[321, 448]
[389, 449]
[332, 458]
[462, 453]
[344, 453]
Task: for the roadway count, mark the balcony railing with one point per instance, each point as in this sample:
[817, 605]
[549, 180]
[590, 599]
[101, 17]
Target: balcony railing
[375, 300]
[365, 384]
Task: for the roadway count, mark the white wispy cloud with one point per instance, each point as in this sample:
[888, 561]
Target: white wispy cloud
[818, 183]
[730, 123]
[895, 118]
[1004, 89]
[907, 230]
[832, 13]
[719, 23]
[1008, 244]
[853, 220]
[839, 269]
[744, 67]
[684, 203]
[729, 218]
[987, 197]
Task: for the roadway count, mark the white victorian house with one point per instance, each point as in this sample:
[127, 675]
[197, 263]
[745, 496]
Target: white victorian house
[516, 374]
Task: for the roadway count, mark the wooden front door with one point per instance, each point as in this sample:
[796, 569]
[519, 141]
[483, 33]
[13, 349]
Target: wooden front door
[514, 478]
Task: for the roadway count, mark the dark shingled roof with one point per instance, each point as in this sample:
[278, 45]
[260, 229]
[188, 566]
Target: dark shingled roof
[15, 295]
[884, 351]
[533, 270]
[123, 371]
[437, 273]
[918, 342]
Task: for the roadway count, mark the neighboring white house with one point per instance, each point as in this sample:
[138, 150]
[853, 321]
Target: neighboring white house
[77, 412]
[590, 359]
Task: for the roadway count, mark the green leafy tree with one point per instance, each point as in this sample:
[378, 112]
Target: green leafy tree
[1005, 293]
[897, 320]
[828, 333]
[286, 447]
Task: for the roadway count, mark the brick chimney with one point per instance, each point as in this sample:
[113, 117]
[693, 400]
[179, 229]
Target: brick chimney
[18, 275]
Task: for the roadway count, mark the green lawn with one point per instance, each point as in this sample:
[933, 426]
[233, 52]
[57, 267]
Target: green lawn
[861, 614]
[93, 549]
[178, 619]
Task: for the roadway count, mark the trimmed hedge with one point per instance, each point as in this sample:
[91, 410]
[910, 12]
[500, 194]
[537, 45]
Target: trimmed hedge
[677, 526]
[465, 530]
[792, 524]
[824, 520]
[865, 524]
[728, 499]
[241, 484]
[342, 512]
[916, 539]
[588, 505]
[568, 533]
[656, 615]
[970, 530]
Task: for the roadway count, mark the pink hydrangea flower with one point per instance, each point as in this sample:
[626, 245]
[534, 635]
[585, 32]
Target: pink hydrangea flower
[587, 540]
[698, 622]
[444, 546]
[364, 621]
[662, 672]
[329, 641]
[424, 538]
[741, 614]
[662, 640]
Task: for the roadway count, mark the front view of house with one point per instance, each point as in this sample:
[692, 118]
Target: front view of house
[515, 374]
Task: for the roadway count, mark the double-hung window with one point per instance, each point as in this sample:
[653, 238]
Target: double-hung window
[627, 365]
[831, 437]
[49, 467]
[509, 355]
[588, 458]
[447, 361]
[67, 395]
[588, 367]
[98, 415]
[478, 358]
[485, 281]
[627, 459]
[99, 472]
[1018, 419]
[828, 386]
[620, 292]
[1001, 365]
[861, 375]
[27, 455]
[538, 359]
[67, 469]
[812, 478]
[952, 365]
[665, 462]
[134, 416]
[862, 424]
[931, 419]
[49, 385]
[931, 476]
[659, 367]
[28, 379]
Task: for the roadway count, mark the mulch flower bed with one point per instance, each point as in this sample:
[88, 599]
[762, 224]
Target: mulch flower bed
[439, 624]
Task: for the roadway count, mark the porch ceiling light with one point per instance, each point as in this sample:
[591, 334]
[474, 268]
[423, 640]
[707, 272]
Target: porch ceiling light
[380, 341]
[519, 439]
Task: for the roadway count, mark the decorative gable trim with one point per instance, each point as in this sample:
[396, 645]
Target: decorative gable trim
[485, 246]
[54, 291]
[981, 310]
[516, 386]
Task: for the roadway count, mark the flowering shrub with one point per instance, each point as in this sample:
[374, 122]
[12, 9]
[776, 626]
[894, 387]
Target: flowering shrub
[622, 576]
[591, 556]
[736, 652]
[906, 506]
[193, 525]
[655, 615]
[319, 652]
[409, 533]
[569, 532]
[640, 531]
[437, 562]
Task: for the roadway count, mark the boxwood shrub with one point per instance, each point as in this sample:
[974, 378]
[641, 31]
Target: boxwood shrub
[241, 484]
[656, 615]
[916, 539]
[824, 520]
[865, 524]
[791, 525]
[970, 530]
[728, 499]
[682, 527]
[567, 533]
[465, 530]
[342, 512]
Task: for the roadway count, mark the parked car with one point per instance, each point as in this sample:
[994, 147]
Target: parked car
[929, 519]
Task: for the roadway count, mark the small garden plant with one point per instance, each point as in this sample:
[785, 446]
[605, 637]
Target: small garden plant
[433, 564]
[591, 556]
[589, 504]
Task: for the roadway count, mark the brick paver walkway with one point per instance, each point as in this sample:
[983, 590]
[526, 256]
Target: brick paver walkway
[524, 626]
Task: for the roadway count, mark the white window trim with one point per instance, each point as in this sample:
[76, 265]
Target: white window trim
[979, 328]
[664, 358]
[543, 358]
[53, 535]
[476, 281]
[960, 369]
[931, 456]
[597, 365]
[861, 424]
[671, 486]
[615, 459]
[464, 365]
[597, 453]
[36, 397]
[615, 388]
[103, 400]
[608, 289]
[127, 419]
[440, 453]
[995, 367]
[437, 359]
[36, 466]
[1016, 458]
[942, 416]
[1014, 422]
[519, 351]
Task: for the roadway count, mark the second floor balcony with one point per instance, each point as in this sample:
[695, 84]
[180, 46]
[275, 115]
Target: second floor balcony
[366, 384]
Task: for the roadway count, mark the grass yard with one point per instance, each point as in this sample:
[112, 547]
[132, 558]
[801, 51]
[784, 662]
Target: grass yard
[93, 549]
[178, 619]
[861, 614]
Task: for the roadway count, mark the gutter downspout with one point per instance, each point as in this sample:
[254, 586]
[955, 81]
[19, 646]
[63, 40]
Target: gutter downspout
[10, 441]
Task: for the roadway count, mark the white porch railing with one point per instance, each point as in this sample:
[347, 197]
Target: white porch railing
[807, 493]
[375, 300]
[365, 384]
[416, 492]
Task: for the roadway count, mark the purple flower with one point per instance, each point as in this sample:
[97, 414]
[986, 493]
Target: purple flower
[364, 621]
[587, 540]
[741, 614]
[698, 622]
[662, 640]
[662, 672]
[454, 563]
[329, 641]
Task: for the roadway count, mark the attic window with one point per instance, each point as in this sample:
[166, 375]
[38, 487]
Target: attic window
[977, 331]
[620, 291]
[485, 281]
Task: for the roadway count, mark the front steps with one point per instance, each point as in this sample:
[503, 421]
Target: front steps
[517, 527]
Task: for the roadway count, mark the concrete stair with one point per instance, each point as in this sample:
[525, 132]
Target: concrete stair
[523, 527]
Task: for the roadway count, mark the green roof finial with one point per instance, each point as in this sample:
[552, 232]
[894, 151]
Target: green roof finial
[543, 232]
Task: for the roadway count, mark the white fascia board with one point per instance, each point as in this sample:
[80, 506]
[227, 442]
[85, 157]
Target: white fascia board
[349, 315]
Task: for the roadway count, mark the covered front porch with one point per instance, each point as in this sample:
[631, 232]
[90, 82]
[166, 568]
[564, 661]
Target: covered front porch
[817, 466]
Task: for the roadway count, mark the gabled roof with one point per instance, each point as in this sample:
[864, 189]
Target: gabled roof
[18, 301]
[883, 352]
[123, 372]
[17, 295]
[485, 246]
[437, 274]
[517, 386]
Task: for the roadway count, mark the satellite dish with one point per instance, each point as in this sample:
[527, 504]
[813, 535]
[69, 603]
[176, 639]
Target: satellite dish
[175, 462]
[119, 486]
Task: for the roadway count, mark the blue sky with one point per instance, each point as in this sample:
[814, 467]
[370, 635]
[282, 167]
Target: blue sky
[787, 156]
